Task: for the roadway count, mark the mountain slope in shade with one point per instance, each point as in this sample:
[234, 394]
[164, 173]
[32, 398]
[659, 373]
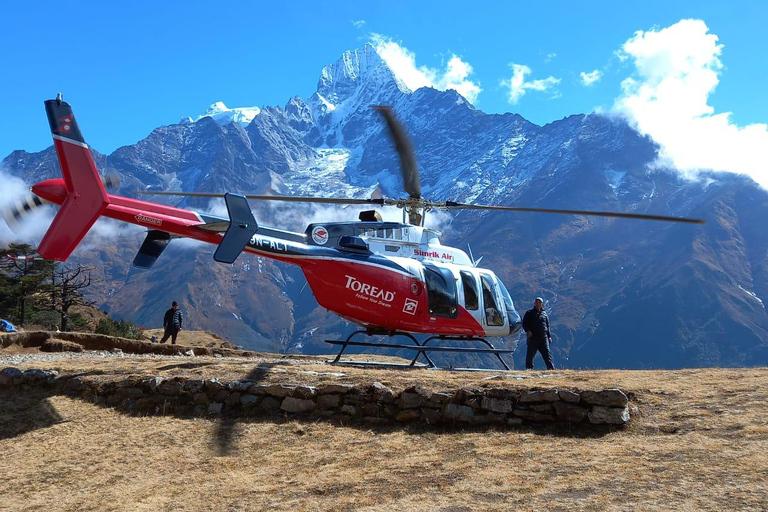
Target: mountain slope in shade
[622, 293]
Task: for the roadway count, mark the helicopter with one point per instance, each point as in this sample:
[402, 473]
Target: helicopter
[389, 278]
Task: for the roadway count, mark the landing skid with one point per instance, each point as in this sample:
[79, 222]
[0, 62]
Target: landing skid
[420, 348]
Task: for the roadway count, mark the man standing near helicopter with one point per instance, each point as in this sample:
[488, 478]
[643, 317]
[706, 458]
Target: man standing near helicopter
[536, 326]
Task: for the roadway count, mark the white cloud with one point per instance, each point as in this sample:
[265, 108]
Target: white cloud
[591, 78]
[677, 68]
[358, 23]
[549, 57]
[518, 86]
[402, 62]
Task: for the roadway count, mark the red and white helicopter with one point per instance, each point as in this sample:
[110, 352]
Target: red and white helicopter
[392, 278]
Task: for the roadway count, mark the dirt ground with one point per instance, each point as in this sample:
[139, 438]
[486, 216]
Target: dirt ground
[697, 441]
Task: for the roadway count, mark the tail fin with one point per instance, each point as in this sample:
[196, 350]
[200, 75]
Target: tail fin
[86, 197]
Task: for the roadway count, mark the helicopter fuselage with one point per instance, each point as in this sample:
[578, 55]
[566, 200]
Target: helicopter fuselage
[384, 275]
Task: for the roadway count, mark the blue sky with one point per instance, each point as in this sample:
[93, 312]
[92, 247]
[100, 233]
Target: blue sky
[129, 67]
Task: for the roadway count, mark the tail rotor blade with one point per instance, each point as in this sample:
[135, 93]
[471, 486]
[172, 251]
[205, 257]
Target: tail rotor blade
[17, 212]
[111, 181]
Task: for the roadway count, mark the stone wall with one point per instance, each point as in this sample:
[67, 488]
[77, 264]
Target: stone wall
[369, 404]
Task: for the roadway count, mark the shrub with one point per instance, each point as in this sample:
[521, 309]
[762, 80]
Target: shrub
[121, 329]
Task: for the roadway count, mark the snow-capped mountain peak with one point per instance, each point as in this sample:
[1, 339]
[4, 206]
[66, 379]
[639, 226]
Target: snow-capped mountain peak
[221, 114]
[342, 79]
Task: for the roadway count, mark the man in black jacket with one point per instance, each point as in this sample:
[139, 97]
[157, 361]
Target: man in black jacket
[172, 323]
[536, 326]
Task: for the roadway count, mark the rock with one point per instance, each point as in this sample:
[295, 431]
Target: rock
[488, 419]
[459, 412]
[269, 404]
[533, 415]
[190, 353]
[153, 383]
[123, 393]
[328, 401]
[349, 409]
[171, 388]
[501, 393]
[240, 385]
[439, 399]
[291, 404]
[411, 400]
[334, 389]
[215, 408]
[248, 400]
[74, 384]
[609, 415]
[304, 392]
[118, 352]
[607, 397]
[233, 399]
[213, 385]
[130, 382]
[194, 385]
[431, 416]
[220, 395]
[408, 415]
[34, 375]
[276, 390]
[569, 396]
[548, 395]
[570, 412]
[496, 405]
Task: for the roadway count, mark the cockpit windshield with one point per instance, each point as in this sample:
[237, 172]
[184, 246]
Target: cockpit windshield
[507, 297]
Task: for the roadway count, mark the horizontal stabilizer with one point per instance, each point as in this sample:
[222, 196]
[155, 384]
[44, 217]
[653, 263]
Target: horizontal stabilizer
[242, 226]
[152, 247]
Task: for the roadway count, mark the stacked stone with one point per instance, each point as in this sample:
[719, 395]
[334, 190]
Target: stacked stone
[373, 404]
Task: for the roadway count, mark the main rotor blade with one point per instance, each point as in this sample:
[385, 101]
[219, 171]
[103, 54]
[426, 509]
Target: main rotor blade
[461, 206]
[408, 164]
[294, 199]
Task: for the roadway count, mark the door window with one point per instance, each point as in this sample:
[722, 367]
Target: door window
[470, 291]
[441, 291]
[492, 312]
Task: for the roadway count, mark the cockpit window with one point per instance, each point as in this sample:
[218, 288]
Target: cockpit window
[492, 312]
[441, 291]
[470, 291]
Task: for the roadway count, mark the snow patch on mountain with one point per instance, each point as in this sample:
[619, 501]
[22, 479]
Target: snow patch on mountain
[220, 113]
[614, 178]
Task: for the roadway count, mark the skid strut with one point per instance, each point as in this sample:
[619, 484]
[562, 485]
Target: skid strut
[420, 348]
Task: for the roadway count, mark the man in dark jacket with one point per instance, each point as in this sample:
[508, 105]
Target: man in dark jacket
[172, 323]
[536, 326]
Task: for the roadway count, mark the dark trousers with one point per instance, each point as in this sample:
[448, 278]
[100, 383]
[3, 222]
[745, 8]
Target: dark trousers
[170, 331]
[540, 346]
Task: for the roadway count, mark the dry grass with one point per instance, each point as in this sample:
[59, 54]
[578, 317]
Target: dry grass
[191, 338]
[697, 442]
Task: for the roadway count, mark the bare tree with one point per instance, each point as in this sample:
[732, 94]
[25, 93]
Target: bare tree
[66, 286]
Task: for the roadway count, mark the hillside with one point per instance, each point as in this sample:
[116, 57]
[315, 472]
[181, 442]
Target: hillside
[696, 441]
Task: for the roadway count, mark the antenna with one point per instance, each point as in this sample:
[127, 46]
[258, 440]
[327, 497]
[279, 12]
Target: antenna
[475, 263]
